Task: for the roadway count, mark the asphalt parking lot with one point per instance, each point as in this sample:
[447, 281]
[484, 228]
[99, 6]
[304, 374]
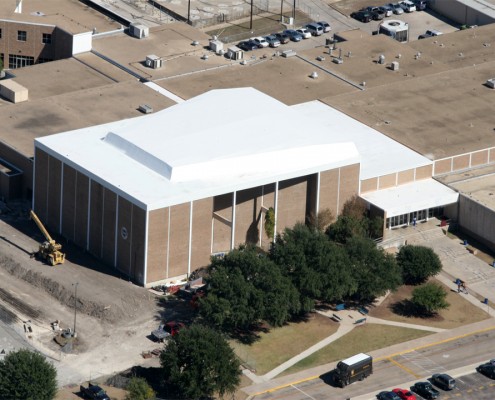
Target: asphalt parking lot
[470, 387]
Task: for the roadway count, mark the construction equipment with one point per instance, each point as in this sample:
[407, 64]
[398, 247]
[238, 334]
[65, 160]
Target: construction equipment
[49, 250]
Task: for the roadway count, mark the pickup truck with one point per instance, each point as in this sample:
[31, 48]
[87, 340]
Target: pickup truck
[167, 330]
[93, 392]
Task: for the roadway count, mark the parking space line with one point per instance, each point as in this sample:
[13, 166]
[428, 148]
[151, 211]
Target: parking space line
[303, 392]
[409, 371]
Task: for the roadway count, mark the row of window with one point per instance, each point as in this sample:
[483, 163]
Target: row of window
[46, 38]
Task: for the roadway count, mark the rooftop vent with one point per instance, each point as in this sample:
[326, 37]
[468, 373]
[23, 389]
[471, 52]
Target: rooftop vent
[139, 31]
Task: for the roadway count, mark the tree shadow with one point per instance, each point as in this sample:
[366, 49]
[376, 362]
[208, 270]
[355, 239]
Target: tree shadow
[406, 308]
[250, 335]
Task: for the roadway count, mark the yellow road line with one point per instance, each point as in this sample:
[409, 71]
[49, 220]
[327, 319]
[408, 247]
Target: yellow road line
[425, 346]
[409, 371]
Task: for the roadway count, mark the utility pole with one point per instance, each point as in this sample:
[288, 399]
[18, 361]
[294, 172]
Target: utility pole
[251, 19]
[189, 12]
[74, 334]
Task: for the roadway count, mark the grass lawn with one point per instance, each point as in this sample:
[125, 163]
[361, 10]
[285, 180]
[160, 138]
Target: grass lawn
[461, 312]
[361, 339]
[281, 344]
[262, 26]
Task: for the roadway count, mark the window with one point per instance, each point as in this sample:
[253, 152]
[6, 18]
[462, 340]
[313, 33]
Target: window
[0, 33]
[16, 61]
[22, 36]
[47, 38]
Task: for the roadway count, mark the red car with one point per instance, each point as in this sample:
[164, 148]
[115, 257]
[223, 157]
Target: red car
[404, 394]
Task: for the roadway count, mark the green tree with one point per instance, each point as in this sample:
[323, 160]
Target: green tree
[430, 298]
[322, 220]
[138, 389]
[418, 263]
[270, 223]
[26, 375]
[345, 228]
[246, 287]
[198, 362]
[318, 268]
[355, 207]
[375, 271]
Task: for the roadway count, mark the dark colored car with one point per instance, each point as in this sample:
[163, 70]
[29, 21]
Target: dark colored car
[387, 396]
[487, 369]
[425, 390]
[282, 37]
[294, 35]
[247, 45]
[362, 15]
[376, 13]
[443, 381]
[420, 5]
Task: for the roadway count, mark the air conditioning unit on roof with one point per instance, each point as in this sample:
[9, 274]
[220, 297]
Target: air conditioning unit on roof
[138, 30]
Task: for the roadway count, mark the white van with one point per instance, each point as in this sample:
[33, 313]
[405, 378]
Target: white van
[315, 29]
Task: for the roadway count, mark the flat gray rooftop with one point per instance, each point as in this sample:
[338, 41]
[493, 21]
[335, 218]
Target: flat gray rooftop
[71, 15]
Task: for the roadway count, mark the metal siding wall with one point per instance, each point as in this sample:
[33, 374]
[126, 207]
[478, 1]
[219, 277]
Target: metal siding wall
[81, 210]
[108, 239]
[69, 203]
[54, 189]
[96, 219]
[138, 243]
[41, 184]
[124, 245]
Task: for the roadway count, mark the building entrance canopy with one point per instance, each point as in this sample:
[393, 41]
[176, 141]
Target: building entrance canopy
[418, 195]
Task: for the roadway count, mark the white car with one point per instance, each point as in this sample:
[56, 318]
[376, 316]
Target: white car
[408, 6]
[304, 33]
[260, 41]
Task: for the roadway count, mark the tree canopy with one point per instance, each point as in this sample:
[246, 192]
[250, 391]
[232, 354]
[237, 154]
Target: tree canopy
[138, 389]
[418, 263]
[198, 362]
[26, 375]
[246, 287]
[430, 298]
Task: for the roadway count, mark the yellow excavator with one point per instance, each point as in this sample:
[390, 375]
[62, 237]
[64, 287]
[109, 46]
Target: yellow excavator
[49, 250]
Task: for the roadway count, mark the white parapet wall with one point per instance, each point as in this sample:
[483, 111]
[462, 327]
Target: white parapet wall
[13, 91]
[82, 43]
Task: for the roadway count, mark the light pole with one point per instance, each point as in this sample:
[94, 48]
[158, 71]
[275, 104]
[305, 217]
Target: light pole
[75, 307]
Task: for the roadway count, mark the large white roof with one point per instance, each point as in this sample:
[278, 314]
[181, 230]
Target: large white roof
[414, 196]
[380, 155]
[218, 142]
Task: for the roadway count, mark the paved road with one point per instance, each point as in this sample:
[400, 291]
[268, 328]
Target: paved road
[395, 370]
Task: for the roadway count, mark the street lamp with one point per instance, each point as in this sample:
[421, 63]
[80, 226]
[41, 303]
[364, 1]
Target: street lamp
[74, 334]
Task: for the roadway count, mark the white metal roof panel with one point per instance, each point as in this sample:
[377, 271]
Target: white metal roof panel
[380, 155]
[419, 195]
[218, 142]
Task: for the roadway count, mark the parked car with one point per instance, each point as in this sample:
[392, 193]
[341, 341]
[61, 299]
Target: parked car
[282, 37]
[315, 29]
[293, 35]
[247, 45]
[362, 15]
[425, 390]
[443, 381]
[272, 41]
[387, 10]
[487, 369]
[325, 25]
[387, 396]
[408, 6]
[93, 392]
[304, 33]
[430, 33]
[260, 41]
[396, 8]
[420, 5]
[376, 13]
[404, 394]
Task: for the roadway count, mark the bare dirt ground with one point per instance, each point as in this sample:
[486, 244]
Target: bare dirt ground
[114, 316]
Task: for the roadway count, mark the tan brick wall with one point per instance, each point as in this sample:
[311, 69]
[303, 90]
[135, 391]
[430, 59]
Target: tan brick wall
[369, 185]
[157, 245]
[109, 215]
[69, 203]
[492, 155]
[387, 181]
[54, 187]
[41, 184]
[201, 233]
[329, 190]
[247, 215]
[138, 243]
[405, 177]
[291, 204]
[179, 240]
[81, 224]
[479, 158]
[424, 172]
[222, 206]
[461, 162]
[349, 183]
[443, 166]
[96, 219]
[124, 244]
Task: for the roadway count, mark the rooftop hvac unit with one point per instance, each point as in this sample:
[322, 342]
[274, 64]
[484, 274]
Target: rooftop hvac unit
[139, 31]
[491, 83]
[216, 46]
[153, 61]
